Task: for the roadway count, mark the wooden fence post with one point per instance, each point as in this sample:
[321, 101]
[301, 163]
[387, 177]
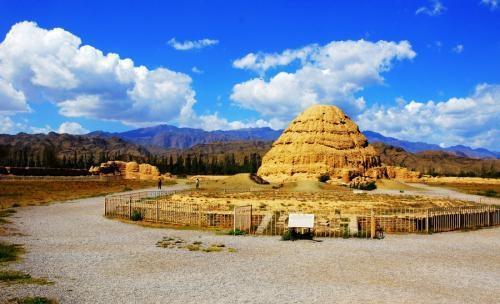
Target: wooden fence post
[157, 211]
[372, 224]
[427, 222]
[130, 208]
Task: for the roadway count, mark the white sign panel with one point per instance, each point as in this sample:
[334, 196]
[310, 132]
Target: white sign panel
[297, 220]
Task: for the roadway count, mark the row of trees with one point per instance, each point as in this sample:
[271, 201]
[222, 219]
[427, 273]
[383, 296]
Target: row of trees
[205, 164]
[186, 164]
[48, 158]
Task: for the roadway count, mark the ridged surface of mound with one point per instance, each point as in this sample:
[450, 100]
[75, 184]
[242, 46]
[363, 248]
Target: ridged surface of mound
[322, 140]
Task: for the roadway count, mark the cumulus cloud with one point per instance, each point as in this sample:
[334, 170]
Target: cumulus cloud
[459, 48]
[329, 74]
[191, 44]
[72, 128]
[261, 62]
[37, 64]
[492, 4]
[435, 9]
[213, 121]
[6, 125]
[471, 120]
[11, 100]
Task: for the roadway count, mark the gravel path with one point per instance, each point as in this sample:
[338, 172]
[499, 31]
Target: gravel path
[435, 191]
[92, 259]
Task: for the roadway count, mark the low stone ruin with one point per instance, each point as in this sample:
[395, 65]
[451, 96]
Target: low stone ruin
[129, 170]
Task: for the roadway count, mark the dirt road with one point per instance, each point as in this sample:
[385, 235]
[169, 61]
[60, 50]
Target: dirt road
[435, 191]
[92, 259]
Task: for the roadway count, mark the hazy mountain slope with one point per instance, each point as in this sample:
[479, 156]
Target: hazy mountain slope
[166, 136]
[421, 146]
[438, 162]
[173, 137]
[52, 149]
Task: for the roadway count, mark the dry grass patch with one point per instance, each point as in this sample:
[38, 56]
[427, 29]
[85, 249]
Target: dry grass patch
[10, 252]
[483, 189]
[18, 277]
[178, 243]
[22, 193]
[32, 300]
[293, 201]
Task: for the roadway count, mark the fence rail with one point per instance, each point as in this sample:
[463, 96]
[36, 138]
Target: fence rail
[157, 206]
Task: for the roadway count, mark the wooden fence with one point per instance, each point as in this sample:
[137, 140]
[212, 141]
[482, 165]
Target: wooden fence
[157, 206]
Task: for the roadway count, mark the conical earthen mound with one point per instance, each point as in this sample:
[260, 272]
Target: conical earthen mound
[322, 140]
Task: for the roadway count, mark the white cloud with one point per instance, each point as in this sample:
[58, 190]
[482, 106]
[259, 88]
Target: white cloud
[471, 120]
[196, 70]
[6, 125]
[51, 65]
[11, 100]
[329, 74]
[435, 9]
[492, 4]
[213, 121]
[459, 48]
[261, 62]
[38, 130]
[191, 44]
[72, 128]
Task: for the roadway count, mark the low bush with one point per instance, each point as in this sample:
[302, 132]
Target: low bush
[324, 178]
[287, 236]
[11, 276]
[212, 249]
[236, 232]
[490, 193]
[9, 252]
[137, 215]
[33, 300]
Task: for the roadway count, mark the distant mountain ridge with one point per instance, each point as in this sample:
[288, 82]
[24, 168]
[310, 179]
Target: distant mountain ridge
[167, 136]
[416, 147]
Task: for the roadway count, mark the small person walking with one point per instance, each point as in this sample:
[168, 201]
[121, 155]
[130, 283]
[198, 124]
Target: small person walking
[159, 184]
[197, 183]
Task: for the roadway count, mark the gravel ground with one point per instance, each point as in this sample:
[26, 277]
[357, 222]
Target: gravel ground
[435, 191]
[92, 259]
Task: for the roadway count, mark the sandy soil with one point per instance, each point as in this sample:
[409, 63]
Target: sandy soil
[440, 192]
[92, 259]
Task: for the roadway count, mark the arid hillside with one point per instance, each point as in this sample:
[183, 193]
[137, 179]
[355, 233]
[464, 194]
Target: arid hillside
[82, 151]
[64, 150]
[438, 162]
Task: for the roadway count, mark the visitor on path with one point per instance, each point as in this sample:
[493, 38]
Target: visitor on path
[197, 183]
[159, 184]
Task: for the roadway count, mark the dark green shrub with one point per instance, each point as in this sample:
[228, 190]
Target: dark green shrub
[137, 215]
[324, 178]
[287, 236]
[34, 300]
[9, 252]
[236, 232]
[490, 193]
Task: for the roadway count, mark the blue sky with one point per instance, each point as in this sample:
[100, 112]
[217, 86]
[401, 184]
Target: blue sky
[416, 70]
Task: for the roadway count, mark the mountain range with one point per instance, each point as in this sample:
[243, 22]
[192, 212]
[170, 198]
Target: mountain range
[166, 136]
[415, 147]
[82, 151]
